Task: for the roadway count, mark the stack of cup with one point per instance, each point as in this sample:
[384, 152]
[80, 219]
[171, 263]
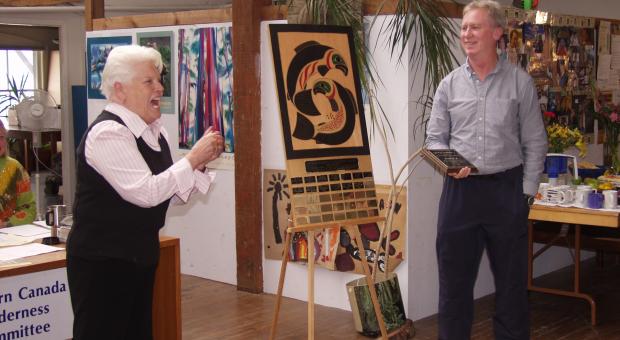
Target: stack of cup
[611, 199]
[581, 195]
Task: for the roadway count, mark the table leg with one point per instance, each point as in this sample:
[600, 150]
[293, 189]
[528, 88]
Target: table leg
[576, 293]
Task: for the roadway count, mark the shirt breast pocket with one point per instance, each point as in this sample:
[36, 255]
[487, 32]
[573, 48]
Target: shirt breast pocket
[462, 108]
[502, 113]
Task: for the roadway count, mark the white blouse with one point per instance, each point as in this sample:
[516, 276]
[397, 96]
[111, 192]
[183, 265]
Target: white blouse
[112, 151]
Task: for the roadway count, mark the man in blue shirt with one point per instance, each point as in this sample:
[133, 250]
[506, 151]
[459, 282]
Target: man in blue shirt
[487, 110]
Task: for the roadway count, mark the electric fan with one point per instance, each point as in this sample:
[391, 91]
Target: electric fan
[38, 112]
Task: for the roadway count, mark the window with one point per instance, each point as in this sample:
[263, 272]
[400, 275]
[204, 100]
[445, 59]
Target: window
[15, 64]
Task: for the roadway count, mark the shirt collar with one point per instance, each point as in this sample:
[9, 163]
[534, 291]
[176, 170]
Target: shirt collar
[134, 123]
[472, 74]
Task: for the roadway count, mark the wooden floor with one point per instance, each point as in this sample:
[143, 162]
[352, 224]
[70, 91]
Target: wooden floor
[213, 310]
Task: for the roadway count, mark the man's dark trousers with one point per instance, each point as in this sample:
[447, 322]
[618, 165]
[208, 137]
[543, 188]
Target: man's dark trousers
[477, 213]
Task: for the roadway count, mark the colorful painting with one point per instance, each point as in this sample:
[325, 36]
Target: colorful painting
[205, 83]
[97, 50]
[348, 258]
[276, 210]
[333, 247]
[163, 43]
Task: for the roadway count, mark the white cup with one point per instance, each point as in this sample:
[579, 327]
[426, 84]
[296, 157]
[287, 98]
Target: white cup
[611, 199]
[562, 194]
[581, 195]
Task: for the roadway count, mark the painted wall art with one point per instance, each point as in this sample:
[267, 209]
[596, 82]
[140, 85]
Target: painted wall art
[333, 247]
[163, 42]
[348, 258]
[276, 209]
[205, 84]
[97, 50]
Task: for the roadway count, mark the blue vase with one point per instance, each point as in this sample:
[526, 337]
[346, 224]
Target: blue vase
[555, 165]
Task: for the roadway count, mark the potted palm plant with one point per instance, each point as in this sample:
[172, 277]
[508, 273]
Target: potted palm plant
[430, 51]
[14, 95]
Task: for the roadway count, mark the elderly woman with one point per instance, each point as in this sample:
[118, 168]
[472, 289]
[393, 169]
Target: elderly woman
[17, 202]
[126, 179]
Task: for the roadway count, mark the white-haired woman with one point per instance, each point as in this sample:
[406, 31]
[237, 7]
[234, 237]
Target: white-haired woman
[17, 202]
[125, 181]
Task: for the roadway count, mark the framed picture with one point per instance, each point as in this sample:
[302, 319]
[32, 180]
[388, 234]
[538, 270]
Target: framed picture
[163, 43]
[97, 50]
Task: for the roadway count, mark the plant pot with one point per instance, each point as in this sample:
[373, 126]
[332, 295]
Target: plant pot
[390, 301]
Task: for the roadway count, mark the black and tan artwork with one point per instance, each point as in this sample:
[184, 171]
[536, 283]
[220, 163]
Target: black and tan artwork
[323, 125]
[318, 90]
[276, 207]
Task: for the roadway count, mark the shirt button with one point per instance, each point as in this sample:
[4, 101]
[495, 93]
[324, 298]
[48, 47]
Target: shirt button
[479, 157]
[481, 98]
[479, 137]
[480, 118]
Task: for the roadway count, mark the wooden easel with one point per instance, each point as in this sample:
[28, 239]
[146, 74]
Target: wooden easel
[353, 230]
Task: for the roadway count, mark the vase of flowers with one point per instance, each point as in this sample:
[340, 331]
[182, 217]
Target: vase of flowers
[561, 137]
[609, 117]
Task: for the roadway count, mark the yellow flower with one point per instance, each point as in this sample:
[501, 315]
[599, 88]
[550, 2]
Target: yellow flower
[562, 137]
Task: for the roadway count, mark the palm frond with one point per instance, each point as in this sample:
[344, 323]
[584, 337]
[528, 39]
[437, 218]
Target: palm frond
[430, 51]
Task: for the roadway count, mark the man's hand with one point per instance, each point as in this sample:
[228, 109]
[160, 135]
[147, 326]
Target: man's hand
[464, 172]
[206, 149]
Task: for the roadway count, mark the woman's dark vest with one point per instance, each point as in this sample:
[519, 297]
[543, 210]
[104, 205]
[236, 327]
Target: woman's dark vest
[107, 226]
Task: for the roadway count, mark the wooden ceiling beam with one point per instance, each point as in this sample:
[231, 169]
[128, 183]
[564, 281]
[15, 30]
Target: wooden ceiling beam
[35, 3]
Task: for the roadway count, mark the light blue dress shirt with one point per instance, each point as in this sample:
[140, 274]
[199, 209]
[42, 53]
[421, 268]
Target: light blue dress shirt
[494, 123]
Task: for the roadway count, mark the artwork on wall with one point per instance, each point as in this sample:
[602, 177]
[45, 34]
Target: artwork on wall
[333, 247]
[97, 50]
[205, 84]
[276, 208]
[560, 56]
[163, 43]
[348, 255]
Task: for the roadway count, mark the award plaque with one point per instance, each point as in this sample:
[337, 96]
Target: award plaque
[447, 161]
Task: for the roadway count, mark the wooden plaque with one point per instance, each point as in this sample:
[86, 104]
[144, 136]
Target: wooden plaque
[447, 161]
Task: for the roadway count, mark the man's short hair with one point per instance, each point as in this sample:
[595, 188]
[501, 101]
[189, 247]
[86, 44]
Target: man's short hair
[495, 10]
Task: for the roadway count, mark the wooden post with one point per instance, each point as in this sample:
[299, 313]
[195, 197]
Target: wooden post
[246, 98]
[93, 9]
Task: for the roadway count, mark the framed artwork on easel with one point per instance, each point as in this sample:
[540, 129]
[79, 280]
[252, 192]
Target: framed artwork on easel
[323, 125]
